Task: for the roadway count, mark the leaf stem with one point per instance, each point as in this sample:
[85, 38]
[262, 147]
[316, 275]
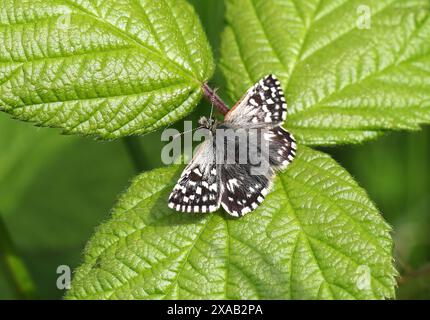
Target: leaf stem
[136, 153]
[213, 98]
[422, 271]
[14, 266]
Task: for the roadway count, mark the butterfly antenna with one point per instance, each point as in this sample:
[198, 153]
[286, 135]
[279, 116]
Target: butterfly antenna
[180, 134]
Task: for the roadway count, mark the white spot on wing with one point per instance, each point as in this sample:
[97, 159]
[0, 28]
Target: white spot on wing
[293, 145]
[197, 172]
[232, 183]
[246, 210]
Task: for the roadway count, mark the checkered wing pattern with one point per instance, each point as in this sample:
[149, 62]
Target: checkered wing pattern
[205, 184]
[263, 105]
[197, 190]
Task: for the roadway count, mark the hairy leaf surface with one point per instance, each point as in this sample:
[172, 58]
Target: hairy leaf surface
[316, 236]
[103, 68]
[350, 68]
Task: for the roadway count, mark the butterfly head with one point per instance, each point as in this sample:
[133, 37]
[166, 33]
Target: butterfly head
[208, 123]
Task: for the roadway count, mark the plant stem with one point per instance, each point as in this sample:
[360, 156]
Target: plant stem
[14, 266]
[214, 99]
[136, 154]
[423, 271]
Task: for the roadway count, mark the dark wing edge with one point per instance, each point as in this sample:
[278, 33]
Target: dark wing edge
[282, 148]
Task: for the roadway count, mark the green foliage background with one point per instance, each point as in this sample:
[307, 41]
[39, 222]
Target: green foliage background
[54, 189]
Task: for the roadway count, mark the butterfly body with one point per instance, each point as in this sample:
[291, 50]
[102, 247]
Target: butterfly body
[235, 165]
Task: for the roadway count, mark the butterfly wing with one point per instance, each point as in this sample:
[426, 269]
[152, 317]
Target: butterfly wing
[197, 190]
[244, 181]
[261, 111]
[262, 106]
[242, 191]
[205, 185]
[282, 147]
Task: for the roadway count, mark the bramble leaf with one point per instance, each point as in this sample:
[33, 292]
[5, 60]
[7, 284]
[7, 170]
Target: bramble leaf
[351, 69]
[108, 69]
[317, 235]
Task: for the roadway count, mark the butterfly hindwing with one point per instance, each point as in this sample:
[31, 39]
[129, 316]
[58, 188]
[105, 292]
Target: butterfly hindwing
[282, 147]
[197, 190]
[242, 192]
[263, 105]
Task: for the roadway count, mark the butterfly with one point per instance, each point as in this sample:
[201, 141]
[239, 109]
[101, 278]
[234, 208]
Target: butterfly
[208, 183]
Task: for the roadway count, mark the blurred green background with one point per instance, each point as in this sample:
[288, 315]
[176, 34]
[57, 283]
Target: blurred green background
[55, 190]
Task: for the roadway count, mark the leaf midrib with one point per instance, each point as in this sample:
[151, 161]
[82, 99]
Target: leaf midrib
[189, 249]
[139, 273]
[302, 231]
[185, 73]
[179, 84]
[367, 208]
[187, 255]
[299, 59]
[371, 75]
[266, 35]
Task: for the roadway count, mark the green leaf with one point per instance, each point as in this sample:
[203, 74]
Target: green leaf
[53, 190]
[108, 69]
[343, 83]
[316, 236]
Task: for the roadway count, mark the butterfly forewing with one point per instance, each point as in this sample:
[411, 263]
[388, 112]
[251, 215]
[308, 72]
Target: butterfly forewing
[263, 105]
[197, 190]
